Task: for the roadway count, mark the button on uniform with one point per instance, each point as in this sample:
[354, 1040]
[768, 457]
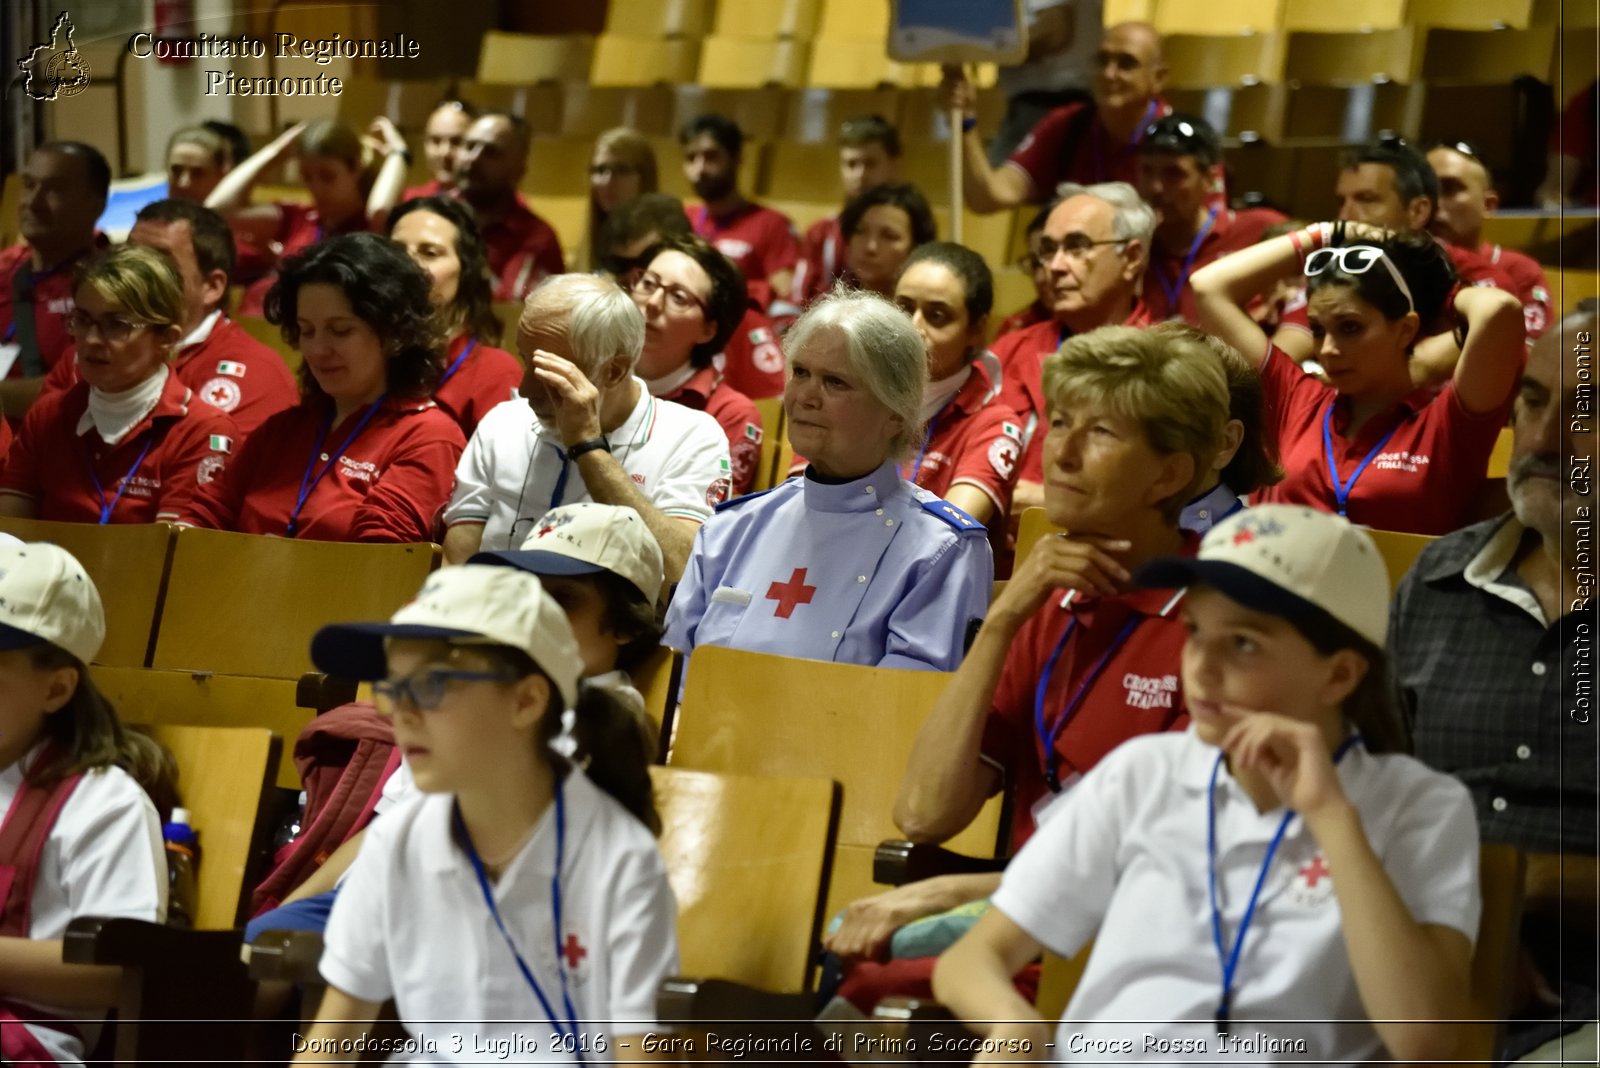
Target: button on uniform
[1498, 804]
[1523, 752]
[1539, 668]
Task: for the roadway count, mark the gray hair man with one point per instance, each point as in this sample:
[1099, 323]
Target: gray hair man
[585, 429]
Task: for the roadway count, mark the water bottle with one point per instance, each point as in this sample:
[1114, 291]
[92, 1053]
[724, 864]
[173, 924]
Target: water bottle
[182, 847]
[289, 829]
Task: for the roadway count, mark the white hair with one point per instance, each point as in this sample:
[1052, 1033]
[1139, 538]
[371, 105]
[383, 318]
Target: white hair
[601, 320]
[883, 347]
[1134, 219]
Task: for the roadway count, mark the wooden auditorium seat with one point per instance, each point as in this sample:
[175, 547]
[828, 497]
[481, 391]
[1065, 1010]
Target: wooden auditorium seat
[187, 991]
[771, 19]
[528, 59]
[272, 337]
[240, 604]
[744, 63]
[128, 564]
[752, 713]
[644, 60]
[774, 434]
[660, 18]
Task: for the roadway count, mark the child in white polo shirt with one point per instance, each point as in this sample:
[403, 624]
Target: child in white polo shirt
[1276, 883]
[514, 888]
[78, 834]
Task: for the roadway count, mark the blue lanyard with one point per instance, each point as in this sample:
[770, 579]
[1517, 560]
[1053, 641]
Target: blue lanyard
[561, 478]
[309, 484]
[1048, 735]
[11, 332]
[456, 366]
[933, 426]
[1229, 959]
[571, 1023]
[1342, 490]
[1138, 135]
[94, 476]
[1175, 291]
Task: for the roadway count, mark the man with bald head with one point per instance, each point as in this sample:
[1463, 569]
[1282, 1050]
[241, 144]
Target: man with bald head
[585, 429]
[523, 248]
[1095, 244]
[1493, 643]
[64, 187]
[1466, 197]
[1082, 142]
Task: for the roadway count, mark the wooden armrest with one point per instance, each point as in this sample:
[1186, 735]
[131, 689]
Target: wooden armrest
[686, 1000]
[911, 1025]
[322, 692]
[287, 956]
[181, 991]
[898, 862]
[1554, 879]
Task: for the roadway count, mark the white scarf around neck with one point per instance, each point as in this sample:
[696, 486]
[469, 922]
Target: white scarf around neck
[672, 380]
[113, 415]
[938, 394]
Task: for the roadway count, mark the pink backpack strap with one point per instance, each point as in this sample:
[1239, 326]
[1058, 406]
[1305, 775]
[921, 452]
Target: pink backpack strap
[28, 822]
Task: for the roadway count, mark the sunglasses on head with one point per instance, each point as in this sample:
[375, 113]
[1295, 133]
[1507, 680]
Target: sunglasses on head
[1358, 259]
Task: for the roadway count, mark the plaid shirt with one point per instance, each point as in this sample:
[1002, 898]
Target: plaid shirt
[1481, 677]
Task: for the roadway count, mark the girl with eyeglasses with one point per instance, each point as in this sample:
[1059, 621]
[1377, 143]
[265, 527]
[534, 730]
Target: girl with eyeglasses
[623, 167]
[129, 443]
[441, 236]
[1368, 442]
[693, 299]
[522, 893]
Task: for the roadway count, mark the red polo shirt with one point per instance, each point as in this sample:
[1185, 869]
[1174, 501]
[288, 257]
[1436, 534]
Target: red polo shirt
[523, 250]
[1138, 690]
[761, 241]
[52, 303]
[1531, 286]
[1071, 144]
[1032, 315]
[1022, 357]
[752, 362]
[1167, 276]
[5, 441]
[299, 227]
[431, 188]
[55, 466]
[708, 392]
[390, 484]
[975, 440]
[474, 385]
[821, 260]
[228, 370]
[1424, 478]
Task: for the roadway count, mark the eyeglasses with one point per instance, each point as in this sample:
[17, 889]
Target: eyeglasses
[678, 297]
[608, 171]
[1358, 259]
[114, 328]
[426, 689]
[1076, 246]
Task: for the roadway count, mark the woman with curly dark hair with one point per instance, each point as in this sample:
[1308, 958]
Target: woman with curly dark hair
[441, 236]
[366, 455]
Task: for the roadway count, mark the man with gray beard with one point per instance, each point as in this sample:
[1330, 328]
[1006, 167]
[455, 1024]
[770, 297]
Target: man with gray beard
[1492, 637]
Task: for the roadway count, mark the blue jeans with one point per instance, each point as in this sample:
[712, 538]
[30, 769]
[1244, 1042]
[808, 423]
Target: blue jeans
[307, 914]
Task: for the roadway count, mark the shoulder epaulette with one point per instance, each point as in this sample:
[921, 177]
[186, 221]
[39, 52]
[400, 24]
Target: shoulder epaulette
[953, 516]
[734, 502]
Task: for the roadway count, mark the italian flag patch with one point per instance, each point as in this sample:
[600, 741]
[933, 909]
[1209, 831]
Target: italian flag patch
[228, 367]
[221, 443]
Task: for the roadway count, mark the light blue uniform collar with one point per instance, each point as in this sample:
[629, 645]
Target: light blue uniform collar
[866, 494]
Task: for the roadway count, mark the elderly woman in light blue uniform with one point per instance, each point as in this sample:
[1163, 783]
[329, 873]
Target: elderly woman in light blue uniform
[849, 562]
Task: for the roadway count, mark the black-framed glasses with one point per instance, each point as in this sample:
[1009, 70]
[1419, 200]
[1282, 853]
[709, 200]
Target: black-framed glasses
[648, 284]
[1358, 259]
[114, 328]
[426, 689]
[1075, 245]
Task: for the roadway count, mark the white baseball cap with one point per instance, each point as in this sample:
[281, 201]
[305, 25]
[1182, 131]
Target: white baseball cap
[583, 539]
[1291, 561]
[466, 605]
[46, 596]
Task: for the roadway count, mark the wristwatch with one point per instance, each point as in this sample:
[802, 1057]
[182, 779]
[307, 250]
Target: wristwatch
[575, 451]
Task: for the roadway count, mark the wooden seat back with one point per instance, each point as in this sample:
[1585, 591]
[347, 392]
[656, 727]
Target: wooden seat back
[223, 775]
[1502, 871]
[241, 604]
[1399, 552]
[748, 862]
[756, 714]
[183, 698]
[774, 433]
[128, 563]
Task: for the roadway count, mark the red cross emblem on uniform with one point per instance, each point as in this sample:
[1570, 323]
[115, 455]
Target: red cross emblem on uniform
[573, 950]
[791, 593]
[1314, 871]
[1244, 536]
[219, 396]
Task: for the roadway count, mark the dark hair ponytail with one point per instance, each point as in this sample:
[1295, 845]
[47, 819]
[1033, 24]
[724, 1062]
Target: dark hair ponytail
[1373, 707]
[615, 744]
[88, 734]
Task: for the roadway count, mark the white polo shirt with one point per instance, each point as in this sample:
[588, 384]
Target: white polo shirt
[104, 857]
[1124, 862]
[410, 923]
[508, 477]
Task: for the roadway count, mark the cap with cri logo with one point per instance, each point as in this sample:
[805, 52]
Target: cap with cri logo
[582, 539]
[47, 597]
